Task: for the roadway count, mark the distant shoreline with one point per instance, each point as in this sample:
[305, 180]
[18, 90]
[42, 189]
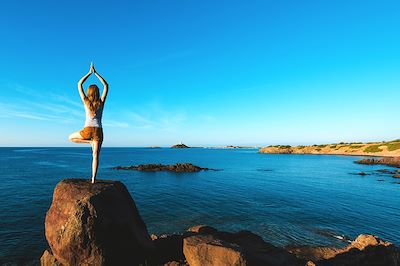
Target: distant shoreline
[374, 149]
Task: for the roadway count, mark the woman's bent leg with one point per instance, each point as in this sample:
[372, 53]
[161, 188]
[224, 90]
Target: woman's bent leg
[96, 146]
[77, 138]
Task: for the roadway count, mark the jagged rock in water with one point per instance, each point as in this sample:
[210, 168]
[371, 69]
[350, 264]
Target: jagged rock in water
[179, 168]
[95, 224]
[390, 161]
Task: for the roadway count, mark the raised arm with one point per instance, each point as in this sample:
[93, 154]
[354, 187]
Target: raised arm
[105, 85]
[83, 79]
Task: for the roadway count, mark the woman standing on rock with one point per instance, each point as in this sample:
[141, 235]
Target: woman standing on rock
[92, 132]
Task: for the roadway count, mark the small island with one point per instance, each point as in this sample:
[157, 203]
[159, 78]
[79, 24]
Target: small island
[178, 168]
[179, 146]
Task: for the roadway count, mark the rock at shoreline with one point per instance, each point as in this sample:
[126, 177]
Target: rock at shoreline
[48, 259]
[366, 250]
[95, 224]
[180, 146]
[390, 161]
[385, 171]
[179, 168]
[205, 245]
[99, 224]
[207, 250]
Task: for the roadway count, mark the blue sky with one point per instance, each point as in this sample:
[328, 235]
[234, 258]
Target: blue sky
[202, 72]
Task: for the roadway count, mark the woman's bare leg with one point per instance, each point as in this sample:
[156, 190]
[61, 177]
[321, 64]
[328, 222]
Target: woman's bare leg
[96, 146]
[77, 138]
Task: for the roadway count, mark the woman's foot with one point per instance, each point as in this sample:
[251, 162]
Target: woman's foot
[93, 180]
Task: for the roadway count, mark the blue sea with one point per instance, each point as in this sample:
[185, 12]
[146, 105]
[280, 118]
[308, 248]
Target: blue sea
[286, 199]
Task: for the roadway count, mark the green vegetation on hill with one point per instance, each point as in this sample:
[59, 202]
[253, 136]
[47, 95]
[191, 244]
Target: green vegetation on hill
[373, 148]
[393, 146]
[356, 146]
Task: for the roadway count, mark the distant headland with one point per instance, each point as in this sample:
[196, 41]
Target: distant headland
[390, 149]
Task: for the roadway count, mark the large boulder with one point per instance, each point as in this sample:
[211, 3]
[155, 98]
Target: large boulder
[204, 245]
[95, 224]
[207, 250]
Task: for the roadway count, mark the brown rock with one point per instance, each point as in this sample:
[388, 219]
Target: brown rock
[243, 246]
[365, 250]
[313, 253]
[203, 229]
[48, 259]
[390, 161]
[259, 252]
[95, 224]
[363, 241]
[206, 250]
[169, 248]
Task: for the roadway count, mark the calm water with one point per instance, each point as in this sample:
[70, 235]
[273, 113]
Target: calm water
[287, 199]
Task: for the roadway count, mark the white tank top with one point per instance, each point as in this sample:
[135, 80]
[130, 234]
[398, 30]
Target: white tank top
[94, 121]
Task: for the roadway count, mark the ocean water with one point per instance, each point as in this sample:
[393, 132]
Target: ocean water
[286, 199]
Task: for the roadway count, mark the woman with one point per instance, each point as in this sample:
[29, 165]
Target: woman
[92, 133]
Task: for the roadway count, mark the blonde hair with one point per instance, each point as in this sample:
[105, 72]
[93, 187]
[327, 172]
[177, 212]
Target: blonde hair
[93, 100]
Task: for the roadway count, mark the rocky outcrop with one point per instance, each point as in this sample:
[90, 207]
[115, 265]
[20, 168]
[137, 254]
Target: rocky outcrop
[208, 250]
[95, 224]
[390, 161]
[204, 245]
[99, 224]
[179, 168]
[366, 250]
[48, 259]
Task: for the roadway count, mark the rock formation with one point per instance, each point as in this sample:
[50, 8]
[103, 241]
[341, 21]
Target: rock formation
[206, 246]
[366, 250]
[179, 168]
[95, 224]
[99, 224]
[390, 161]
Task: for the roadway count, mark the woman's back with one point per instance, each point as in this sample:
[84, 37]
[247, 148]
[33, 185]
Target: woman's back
[93, 119]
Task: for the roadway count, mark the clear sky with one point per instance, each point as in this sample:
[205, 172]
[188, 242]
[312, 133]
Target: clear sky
[202, 72]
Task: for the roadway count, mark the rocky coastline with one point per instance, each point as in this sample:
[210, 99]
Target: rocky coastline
[389, 161]
[99, 224]
[381, 149]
